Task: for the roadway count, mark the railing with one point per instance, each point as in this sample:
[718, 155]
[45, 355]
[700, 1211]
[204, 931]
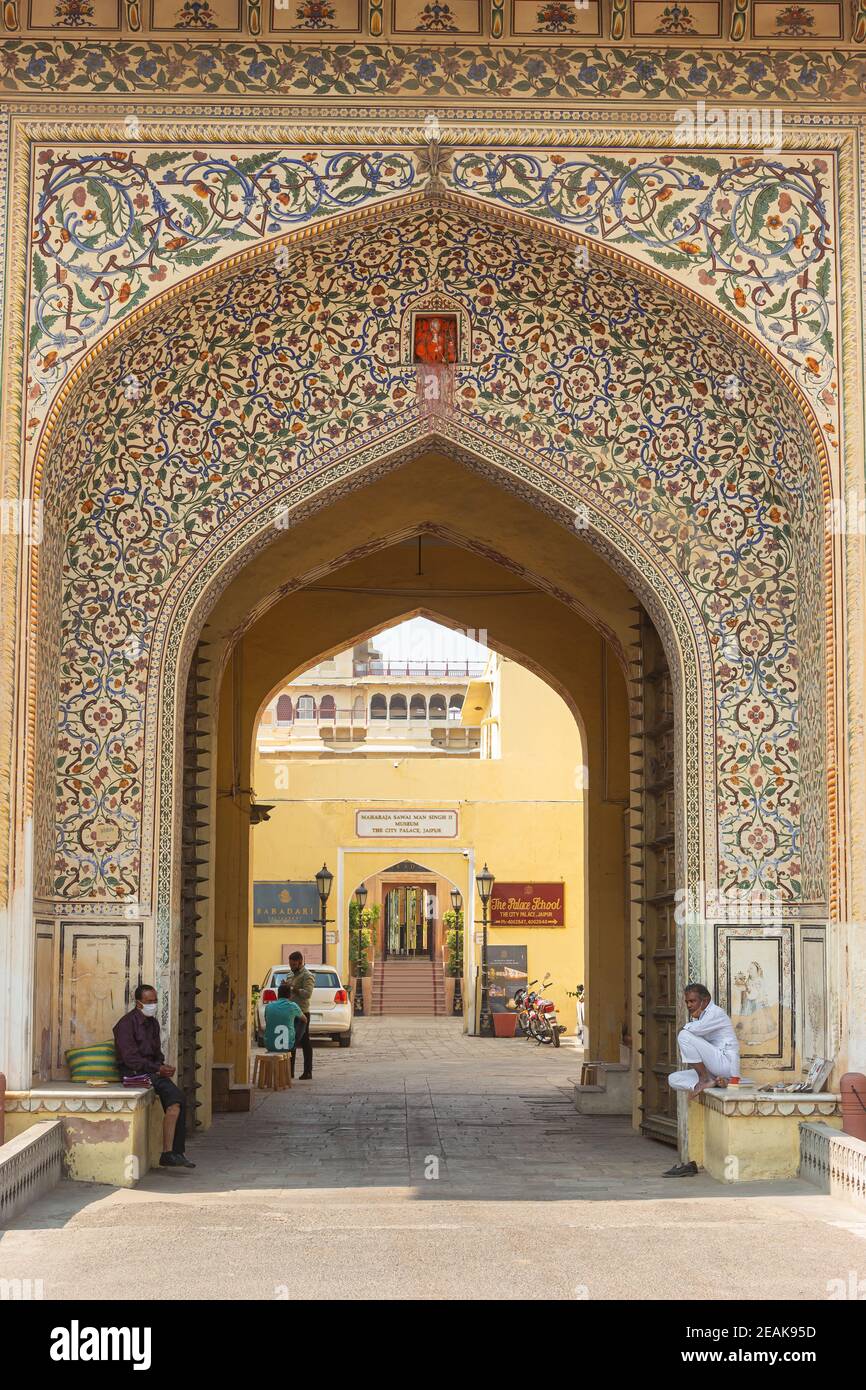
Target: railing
[363, 718]
[30, 1165]
[834, 1162]
[408, 670]
[319, 716]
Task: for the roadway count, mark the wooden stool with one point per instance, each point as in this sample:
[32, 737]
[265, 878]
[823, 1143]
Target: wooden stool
[271, 1071]
[589, 1074]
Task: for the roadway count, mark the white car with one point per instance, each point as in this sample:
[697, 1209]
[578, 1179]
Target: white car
[330, 1006]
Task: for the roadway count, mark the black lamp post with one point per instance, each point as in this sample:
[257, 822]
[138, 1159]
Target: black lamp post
[457, 904]
[324, 879]
[485, 881]
[360, 899]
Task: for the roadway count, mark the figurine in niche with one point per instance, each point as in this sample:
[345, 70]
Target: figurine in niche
[435, 338]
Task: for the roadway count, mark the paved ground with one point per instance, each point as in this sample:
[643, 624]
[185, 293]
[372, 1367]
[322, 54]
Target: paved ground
[422, 1164]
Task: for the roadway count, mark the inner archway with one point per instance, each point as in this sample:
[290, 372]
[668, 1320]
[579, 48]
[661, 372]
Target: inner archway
[573, 625]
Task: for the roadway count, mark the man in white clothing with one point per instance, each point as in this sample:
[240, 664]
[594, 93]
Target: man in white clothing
[708, 1045]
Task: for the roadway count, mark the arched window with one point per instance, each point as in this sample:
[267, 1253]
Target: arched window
[437, 707]
[327, 708]
[378, 707]
[417, 707]
[397, 708]
[284, 709]
[306, 707]
[358, 710]
[455, 705]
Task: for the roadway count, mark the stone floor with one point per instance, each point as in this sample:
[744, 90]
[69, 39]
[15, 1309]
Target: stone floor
[423, 1164]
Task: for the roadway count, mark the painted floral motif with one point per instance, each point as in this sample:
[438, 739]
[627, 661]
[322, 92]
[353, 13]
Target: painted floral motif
[749, 232]
[74, 13]
[436, 18]
[562, 73]
[753, 230]
[557, 17]
[315, 14]
[675, 19]
[109, 230]
[603, 381]
[795, 20]
[195, 14]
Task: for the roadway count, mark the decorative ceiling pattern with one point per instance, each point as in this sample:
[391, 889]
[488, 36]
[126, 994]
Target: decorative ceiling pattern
[604, 381]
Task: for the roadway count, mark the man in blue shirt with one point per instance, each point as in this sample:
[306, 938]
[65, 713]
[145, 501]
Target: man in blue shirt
[284, 1022]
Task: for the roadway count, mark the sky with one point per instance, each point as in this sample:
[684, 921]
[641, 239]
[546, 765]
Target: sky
[419, 639]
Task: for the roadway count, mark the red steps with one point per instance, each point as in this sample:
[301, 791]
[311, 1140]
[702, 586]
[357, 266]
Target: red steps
[408, 988]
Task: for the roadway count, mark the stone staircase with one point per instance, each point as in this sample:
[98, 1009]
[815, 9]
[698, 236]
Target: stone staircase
[408, 987]
[227, 1095]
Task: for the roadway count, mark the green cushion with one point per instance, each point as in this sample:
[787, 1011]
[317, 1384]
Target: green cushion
[98, 1062]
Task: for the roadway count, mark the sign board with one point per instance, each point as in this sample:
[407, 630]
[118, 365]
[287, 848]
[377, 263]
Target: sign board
[286, 903]
[312, 953]
[506, 973]
[527, 905]
[425, 825]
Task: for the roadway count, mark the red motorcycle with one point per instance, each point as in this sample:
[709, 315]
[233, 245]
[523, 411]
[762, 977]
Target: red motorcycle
[543, 1023]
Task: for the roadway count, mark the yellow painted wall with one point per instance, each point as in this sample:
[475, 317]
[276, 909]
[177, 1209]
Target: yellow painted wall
[522, 813]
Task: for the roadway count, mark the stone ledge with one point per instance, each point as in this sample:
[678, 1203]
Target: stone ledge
[747, 1137]
[30, 1165]
[834, 1162]
[111, 1134]
[757, 1103]
[611, 1094]
[70, 1097]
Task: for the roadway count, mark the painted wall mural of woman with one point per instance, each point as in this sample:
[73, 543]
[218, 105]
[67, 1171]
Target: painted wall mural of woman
[755, 1018]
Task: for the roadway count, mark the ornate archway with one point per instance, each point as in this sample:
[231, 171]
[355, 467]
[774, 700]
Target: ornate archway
[600, 396]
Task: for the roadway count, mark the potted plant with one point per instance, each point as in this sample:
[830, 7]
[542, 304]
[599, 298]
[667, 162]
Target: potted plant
[361, 927]
[453, 923]
[505, 1021]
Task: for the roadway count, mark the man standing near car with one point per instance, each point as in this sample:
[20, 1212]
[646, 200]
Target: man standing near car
[302, 984]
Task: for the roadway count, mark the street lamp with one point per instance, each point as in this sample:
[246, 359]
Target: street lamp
[457, 904]
[360, 899]
[324, 879]
[485, 881]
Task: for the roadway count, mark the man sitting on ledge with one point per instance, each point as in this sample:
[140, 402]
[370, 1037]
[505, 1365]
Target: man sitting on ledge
[711, 1049]
[284, 1022]
[136, 1041]
[708, 1044]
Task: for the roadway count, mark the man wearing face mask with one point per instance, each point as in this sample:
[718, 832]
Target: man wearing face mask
[136, 1040]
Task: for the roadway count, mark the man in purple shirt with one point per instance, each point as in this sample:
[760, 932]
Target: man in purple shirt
[136, 1040]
